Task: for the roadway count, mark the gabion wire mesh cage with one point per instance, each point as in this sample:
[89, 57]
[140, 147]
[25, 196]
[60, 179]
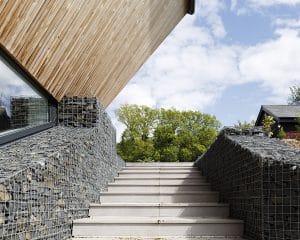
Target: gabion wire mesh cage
[260, 178]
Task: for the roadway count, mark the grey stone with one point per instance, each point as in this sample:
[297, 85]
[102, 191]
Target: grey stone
[49, 179]
[260, 178]
[4, 194]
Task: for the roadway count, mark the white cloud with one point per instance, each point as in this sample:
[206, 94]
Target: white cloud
[274, 63]
[11, 84]
[187, 67]
[233, 5]
[209, 10]
[193, 67]
[187, 70]
[137, 93]
[245, 7]
[287, 23]
[267, 3]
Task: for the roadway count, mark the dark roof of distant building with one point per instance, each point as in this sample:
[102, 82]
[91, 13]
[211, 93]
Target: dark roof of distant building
[279, 112]
[282, 111]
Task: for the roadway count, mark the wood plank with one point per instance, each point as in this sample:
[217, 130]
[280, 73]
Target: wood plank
[86, 47]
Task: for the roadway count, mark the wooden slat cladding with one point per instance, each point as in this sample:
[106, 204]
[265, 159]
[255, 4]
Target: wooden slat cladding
[86, 47]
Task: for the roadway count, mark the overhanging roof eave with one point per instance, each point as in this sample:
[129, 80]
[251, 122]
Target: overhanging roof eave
[191, 7]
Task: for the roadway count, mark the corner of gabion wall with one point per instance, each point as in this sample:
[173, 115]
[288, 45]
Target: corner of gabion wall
[79, 112]
[49, 179]
[260, 178]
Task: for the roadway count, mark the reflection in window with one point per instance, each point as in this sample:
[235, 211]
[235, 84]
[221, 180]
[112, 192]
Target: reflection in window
[21, 106]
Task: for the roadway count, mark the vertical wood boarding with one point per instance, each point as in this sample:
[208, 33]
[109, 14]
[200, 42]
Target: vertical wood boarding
[86, 47]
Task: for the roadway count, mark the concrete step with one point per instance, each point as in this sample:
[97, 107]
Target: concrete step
[160, 180]
[167, 168]
[160, 209]
[125, 170]
[126, 187]
[158, 238]
[161, 175]
[160, 164]
[153, 226]
[138, 197]
[159, 201]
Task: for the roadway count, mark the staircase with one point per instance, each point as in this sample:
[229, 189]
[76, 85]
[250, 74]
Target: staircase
[158, 201]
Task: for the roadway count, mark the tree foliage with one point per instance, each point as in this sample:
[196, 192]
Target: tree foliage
[281, 133]
[268, 122]
[294, 97]
[244, 125]
[165, 135]
[298, 124]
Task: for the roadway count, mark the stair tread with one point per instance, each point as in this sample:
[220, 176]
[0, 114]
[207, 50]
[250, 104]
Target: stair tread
[176, 164]
[155, 220]
[159, 178]
[204, 204]
[162, 199]
[159, 184]
[160, 171]
[160, 193]
[159, 238]
[160, 167]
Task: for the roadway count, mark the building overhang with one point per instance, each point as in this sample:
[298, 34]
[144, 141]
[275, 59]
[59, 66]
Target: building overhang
[191, 7]
[87, 48]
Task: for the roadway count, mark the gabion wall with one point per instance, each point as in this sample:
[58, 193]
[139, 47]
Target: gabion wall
[49, 179]
[79, 112]
[260, 178]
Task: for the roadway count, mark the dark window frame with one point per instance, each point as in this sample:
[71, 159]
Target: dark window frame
[32, 82]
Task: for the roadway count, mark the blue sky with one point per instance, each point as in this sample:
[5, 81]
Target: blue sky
[228, 59]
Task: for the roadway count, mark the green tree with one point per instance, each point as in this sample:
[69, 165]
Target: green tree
[298, 124]
[281, 133]
[164, 134]
[298, 127]
[268, 122]
[244, 125]
[140, 122]
[294, 97]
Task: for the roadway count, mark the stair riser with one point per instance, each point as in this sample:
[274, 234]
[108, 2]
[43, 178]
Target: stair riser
[160, 181]
[155, 211]
[161, 168]
[158, 200]
[157, 238]
[161, 171]
[161, 175]
[148, 230]
[161, 164]
[187, 198]
[113, 188]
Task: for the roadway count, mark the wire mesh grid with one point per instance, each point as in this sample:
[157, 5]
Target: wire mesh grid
[41, 201]
[79, 112]
[49, 179]
[281, 200]
[262, 192]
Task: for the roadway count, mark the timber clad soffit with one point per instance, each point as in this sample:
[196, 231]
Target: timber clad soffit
[86, 47]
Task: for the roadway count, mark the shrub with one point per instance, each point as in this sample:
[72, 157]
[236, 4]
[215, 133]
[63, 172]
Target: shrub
[281, 133]
[268, 122]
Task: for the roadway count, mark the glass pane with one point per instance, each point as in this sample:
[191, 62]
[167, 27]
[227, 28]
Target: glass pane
[20, 105]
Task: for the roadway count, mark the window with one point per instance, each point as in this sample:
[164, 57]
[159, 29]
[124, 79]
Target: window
[25, 107]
